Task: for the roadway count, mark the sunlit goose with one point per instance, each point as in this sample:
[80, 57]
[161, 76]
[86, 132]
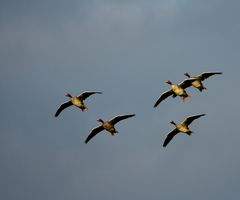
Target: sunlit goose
[181, 127]
[76, 101]
[107, 125]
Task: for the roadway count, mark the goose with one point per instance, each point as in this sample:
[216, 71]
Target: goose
[176, 90]
[107, 125]
[181, 127]
[76, 101]
[198, 79]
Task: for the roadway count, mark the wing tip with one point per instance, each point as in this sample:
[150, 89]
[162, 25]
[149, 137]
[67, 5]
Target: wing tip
[87, 140]
[94, 92]
[156, 104]
[130, 115]
[203, 114]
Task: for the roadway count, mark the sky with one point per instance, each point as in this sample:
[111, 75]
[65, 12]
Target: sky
[126, 50]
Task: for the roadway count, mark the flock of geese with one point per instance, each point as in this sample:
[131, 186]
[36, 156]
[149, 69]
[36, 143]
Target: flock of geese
[174, 91]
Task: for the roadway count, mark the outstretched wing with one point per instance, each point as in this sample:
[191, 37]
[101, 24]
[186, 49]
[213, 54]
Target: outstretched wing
[170, 137]
[205, 75]
[163, 96]
[94, 132]
[186, 83]
[190, 119]
[86, 94]
[120, 117]
[62, 107]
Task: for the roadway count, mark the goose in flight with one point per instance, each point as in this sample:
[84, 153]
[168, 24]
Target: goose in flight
[181, 127]
[76, 101]
[198, 79]
[107, 125]
[176, 90]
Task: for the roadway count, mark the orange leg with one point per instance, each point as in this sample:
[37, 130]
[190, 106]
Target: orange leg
[184, 99]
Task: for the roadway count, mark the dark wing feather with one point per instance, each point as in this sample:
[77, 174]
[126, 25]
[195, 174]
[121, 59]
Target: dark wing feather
[186, 83]
[62, 107]
[163, 96]
[190, 119]
[94, 132]
[85, 95]
[205, 75]
[170, 137]
[120, 117]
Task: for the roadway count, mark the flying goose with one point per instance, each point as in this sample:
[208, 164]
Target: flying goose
[76, 101]
[176, 90]
[181, 127]
[107, 125]
[198, 79]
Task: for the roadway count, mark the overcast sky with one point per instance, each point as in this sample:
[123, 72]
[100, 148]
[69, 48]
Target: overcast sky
[127, 50]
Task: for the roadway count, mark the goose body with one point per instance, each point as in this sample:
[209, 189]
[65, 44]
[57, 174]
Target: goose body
[107, 125]
[76, 101]
[197, 83]
[181, 128]
[176, 90]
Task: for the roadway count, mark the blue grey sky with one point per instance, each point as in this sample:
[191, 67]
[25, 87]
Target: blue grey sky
[127, 50]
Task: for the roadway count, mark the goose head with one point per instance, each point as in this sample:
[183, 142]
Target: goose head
[172, 122]
[68, 95]
[169, 82]
[187, 74]
[100, 120]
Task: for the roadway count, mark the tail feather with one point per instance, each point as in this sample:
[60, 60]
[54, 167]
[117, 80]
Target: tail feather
[189, 133]
[202, 88]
